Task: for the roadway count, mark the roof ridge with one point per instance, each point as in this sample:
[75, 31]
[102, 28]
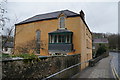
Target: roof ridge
[47, 13]
[56, 12]
[50, 15]
[71, 11]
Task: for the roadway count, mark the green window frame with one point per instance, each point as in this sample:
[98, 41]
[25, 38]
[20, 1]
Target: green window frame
[60, 38]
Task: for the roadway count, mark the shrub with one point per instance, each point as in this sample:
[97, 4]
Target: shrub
[93, 54]
[102, 49]
[5, 55]
[25, 56]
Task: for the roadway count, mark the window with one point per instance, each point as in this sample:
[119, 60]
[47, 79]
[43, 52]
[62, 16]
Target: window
[38, 42]
[52, 38]
[55, 39]
[68, 39]
[6, 49]
[63, 38]
[38, 36]
[62, 22]
[60, 38]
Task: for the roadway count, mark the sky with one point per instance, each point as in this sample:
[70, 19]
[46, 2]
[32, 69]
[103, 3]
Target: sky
[101, 17]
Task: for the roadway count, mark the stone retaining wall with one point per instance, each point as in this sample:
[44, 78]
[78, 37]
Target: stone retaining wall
[92, 62]
[37, 68]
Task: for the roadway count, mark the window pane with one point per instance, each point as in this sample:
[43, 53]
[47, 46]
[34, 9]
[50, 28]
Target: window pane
[68, 39]
[52, 38]
[62, 22]
[49, 38]
[59, 38]
[55, 39]
[38, 36]
[38, 42]
[63, 38]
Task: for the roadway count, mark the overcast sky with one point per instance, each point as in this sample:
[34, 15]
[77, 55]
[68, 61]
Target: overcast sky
[100, 16]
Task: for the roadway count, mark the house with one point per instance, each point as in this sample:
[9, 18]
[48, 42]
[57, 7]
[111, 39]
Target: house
[8, 48]
[0, 44]
[98, 41]
[57, 33]
[6, 44]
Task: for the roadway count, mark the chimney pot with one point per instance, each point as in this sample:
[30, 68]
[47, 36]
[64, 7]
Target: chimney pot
[82, 14]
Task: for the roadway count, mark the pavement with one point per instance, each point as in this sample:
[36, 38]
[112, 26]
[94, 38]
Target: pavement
[101, 70]
[0, 70]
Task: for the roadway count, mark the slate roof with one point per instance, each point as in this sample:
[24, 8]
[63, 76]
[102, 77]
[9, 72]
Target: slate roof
[48, 16]
[9, 45]
[52, 15]
[61, 31]
[101, 40]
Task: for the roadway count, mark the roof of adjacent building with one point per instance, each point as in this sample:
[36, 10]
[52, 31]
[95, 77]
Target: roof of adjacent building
[61, 31]
[100, 40]
[9, 45]
[48, 16]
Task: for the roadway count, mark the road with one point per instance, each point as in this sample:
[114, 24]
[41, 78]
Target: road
[103, 69]
[115, 62]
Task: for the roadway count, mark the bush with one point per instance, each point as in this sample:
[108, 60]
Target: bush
[93, 54]
[5, 55]
[26, 56]
[102, 49]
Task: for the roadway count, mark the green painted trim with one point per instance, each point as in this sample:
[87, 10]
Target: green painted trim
[61, 33]
[60, 43]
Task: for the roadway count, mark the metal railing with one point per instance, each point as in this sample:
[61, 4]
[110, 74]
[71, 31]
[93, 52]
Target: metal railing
[51, 76]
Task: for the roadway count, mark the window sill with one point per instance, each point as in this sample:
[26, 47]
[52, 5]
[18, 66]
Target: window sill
[60, 43]
[62, 28]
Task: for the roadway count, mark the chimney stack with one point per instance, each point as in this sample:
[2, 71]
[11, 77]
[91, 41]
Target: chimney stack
[82, 15]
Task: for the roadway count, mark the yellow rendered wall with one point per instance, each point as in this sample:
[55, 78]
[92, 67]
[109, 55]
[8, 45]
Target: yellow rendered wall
[86, 53]
[26, 32]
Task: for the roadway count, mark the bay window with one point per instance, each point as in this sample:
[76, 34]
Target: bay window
[60, 38]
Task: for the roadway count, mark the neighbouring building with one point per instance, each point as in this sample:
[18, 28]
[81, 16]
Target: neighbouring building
[7, 44]
[8, 48]
[98, 41]
[0, 44]
[55, 33]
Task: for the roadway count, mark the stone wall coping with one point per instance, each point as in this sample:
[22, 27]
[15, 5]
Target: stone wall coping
[41, 57]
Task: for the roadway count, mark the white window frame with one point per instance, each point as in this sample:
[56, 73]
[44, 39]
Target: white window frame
[63, 27]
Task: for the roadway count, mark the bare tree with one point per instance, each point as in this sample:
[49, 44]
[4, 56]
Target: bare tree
[7, 25]
[9, 31]
[3, 11]
[113, 39]
[30, 47]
